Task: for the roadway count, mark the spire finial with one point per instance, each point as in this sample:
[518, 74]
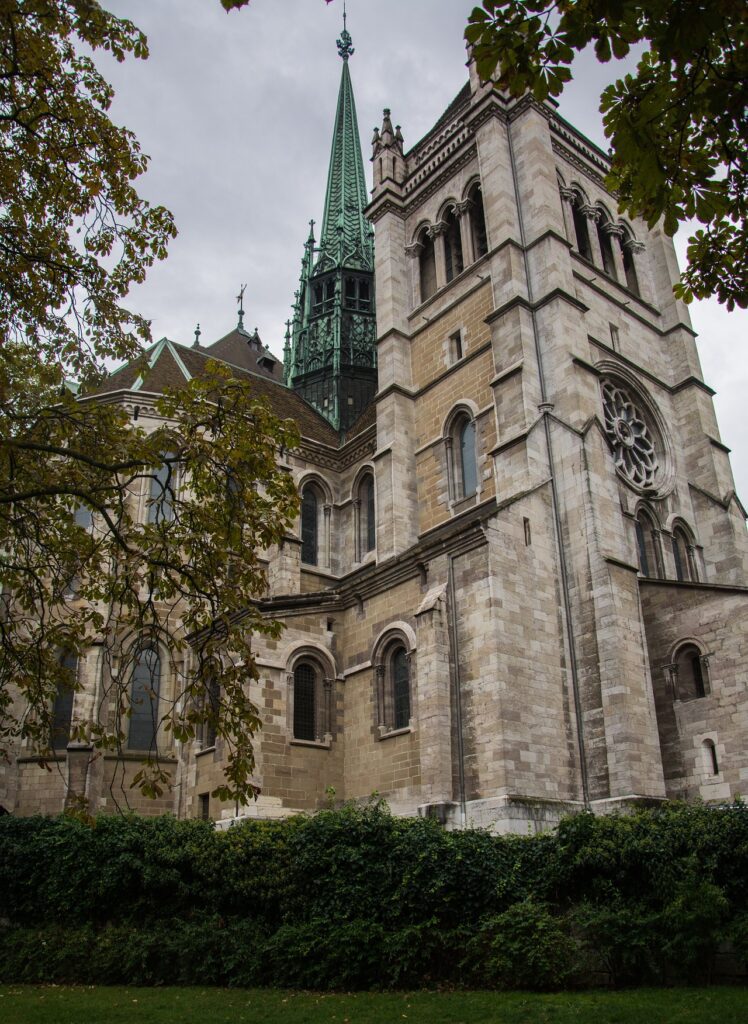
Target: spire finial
[240, 300]
[344, 43]
[198, 332]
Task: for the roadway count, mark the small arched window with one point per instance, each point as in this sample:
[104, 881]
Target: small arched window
[305, 702]
[478, 222]
[427, 265]
[366, 516]
[145, 688]
[629, 263]
[648, 546]
[463, 468]
[709, 754]
[691, 680]
[62, 712]
[581, 230]
[162, 491]
[606, 247]
[685, 565]
[453, 259]
[310, 525]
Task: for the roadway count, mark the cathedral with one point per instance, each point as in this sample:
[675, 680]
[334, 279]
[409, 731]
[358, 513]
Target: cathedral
[518, 583]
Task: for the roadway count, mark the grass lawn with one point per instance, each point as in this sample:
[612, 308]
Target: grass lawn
[22, 1004]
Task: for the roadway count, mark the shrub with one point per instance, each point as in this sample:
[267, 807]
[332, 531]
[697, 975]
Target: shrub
[525, 947]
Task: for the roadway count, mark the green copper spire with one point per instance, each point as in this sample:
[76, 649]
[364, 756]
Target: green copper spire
[346, 235]
[330, 356]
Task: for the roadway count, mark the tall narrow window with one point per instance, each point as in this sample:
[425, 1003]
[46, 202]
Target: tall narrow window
[685, 568]
[468, 469]
[642, 546]
[606, 249]
[581, 230]
[711, 764]
[162, 492]
[629, 266]
[62, 713]
[690, 673]
[427, 266]
[648, 546]
[452, 245]
[144, 700]
[367, 520]
[213, 703]
[304, 702]
[400, 688]
[309, 526]
[478, 223]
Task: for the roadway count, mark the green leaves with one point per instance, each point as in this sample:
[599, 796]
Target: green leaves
[678, 128]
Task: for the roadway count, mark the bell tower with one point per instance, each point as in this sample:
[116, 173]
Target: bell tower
[330, 356]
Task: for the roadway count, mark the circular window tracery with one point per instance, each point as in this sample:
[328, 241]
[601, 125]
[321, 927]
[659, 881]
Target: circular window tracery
[631, 436]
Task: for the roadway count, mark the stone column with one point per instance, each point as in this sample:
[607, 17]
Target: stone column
[593, 216]
[414, 252]
[437, 233]
[615, 232]
[466, 233]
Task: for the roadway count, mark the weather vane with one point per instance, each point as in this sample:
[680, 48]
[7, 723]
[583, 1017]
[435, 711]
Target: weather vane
[344, 43]
[240, 300]
[198, 332]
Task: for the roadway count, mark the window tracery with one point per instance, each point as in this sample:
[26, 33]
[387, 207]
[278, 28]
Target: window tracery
[630, 435]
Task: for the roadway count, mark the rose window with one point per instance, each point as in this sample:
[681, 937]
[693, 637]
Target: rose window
[631, 437]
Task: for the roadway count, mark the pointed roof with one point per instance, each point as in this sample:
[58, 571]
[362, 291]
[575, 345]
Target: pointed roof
[346, 238]
[167, 365]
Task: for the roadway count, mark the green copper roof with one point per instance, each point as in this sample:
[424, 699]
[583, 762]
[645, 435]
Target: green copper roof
[346, 238]
[330, 356]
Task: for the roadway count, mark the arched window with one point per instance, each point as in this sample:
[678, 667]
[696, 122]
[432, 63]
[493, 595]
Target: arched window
[393, 666]
[478, 222]
[310, 525]
[400, 676]
[310, 699]
[463, 467]
[162, 492]
[212, 704]
[144, 699]
[366, 516]
[468, 469]
[581, 230]
[305, 702]
[606, 247]
[691, 677]
[648, 546]
[453, 259]
[62, 712]
[629, 265]
[427, 265]
[685, 565]
[709, 754]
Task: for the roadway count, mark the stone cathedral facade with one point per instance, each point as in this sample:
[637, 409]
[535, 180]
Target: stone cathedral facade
[519, 585]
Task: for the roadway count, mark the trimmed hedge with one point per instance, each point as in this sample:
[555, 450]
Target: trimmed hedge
[355, 898]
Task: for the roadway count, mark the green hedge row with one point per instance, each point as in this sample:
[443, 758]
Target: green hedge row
[355, 898]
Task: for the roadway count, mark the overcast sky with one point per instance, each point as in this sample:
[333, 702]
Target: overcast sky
[236, 112]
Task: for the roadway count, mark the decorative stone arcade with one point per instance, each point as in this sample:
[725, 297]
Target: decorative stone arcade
[330, 354]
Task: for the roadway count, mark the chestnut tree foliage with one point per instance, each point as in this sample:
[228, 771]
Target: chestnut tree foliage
[79, 568]
[678, 126]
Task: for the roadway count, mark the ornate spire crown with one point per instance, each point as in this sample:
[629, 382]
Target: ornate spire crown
[344, 43]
